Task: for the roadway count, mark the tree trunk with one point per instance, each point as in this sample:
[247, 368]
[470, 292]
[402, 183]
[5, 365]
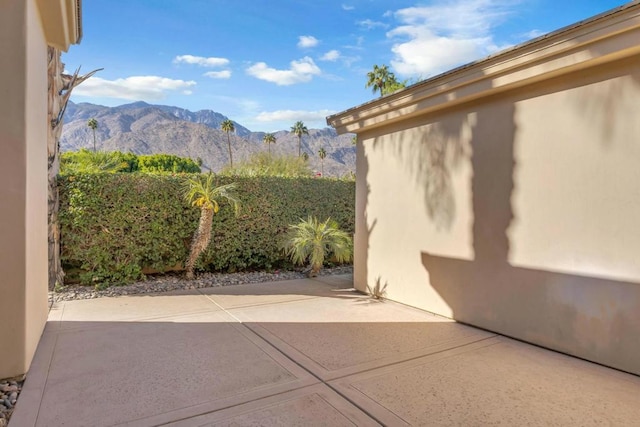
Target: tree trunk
[229, 144]
[201, 240]
[59, 88]
[55, 87]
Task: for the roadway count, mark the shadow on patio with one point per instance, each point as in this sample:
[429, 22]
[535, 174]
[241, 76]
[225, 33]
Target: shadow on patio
[291, 353]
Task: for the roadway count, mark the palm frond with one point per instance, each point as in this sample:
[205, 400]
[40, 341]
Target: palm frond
[312, 241]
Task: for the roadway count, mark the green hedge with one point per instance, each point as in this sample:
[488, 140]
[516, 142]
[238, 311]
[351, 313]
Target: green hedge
[115, 226]
[85, 161]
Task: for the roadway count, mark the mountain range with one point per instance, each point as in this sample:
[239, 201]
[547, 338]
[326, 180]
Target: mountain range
[143, 128]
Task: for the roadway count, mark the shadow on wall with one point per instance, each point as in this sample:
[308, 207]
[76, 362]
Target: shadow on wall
[430, 157]
[603, 104]
[596, 319]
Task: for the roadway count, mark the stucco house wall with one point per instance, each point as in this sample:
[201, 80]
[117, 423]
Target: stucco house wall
[23, 172]
[506, 194]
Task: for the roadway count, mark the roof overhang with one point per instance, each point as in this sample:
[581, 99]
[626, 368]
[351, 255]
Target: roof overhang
[61, 22]
[605, 38]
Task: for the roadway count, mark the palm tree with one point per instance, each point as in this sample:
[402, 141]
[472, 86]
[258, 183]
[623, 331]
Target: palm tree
[93, 125]
[200, 191]
[299, 129]
[383, 81]
[313, 241]
[269, 139]
[322, 153]
[227, 126]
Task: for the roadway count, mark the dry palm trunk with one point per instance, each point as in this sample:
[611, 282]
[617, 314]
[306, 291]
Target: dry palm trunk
[201, 239]
[59, 87]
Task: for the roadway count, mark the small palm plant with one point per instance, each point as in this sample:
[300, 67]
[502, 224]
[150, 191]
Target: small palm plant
[201, 191]
[313, 241]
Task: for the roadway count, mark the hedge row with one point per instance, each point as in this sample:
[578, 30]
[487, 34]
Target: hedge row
[85, 161]
[116, 226]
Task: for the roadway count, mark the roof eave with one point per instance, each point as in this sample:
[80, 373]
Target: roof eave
[527, 63]
[61, 22]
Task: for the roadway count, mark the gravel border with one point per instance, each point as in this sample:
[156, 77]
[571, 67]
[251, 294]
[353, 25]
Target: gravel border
[9, 392]
[172, 282]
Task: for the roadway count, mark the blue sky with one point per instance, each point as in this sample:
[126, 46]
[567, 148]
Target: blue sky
[269, 63]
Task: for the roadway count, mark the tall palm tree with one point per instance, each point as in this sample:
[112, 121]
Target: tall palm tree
[299, 129]
[382, 80]
[93, 125]
[201, 191]
[269, 139]
[322, 153]
[227, 126]
[313, 240]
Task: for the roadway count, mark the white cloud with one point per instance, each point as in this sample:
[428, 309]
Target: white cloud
[146, 88]
[370, 25]
[445, 35]
[307, 41]
[293, 115]
[201, 61]
[347, 7]
[300, 71]
[224, 74]
[332, 55]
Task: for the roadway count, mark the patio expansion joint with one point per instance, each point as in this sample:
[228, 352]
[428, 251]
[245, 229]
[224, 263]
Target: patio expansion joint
[320, 380]
[46, 379]
[327, 382]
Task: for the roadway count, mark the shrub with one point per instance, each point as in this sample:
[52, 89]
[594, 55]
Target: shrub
[115, 226]
[85, 161]
[263, 164]
[314, 241]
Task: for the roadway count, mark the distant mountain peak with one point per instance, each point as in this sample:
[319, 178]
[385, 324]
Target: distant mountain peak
[144, 128]
[134, 105]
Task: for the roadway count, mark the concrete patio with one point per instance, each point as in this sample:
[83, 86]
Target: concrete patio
[302, 352]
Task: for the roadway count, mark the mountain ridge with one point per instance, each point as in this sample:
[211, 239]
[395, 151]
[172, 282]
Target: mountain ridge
[144, 128]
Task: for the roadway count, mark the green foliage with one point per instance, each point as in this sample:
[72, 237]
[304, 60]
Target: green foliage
[299, 129]
[85, 161]
[154, 163]
[228, 126]
[269, 139]
[263, 164]
[203, 192]
[313, 241]
[380, 79]
[114, 227]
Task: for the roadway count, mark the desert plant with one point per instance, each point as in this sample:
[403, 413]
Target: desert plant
[299, 129]
[269, 139]
[322, 154]
[201, 191]
[263, 164]
[227, 126]
[93, 125]
[380, 79]
[313, 241]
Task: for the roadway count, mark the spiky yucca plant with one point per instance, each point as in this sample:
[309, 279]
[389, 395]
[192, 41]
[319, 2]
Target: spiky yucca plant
[312, 241]
[201, 192]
